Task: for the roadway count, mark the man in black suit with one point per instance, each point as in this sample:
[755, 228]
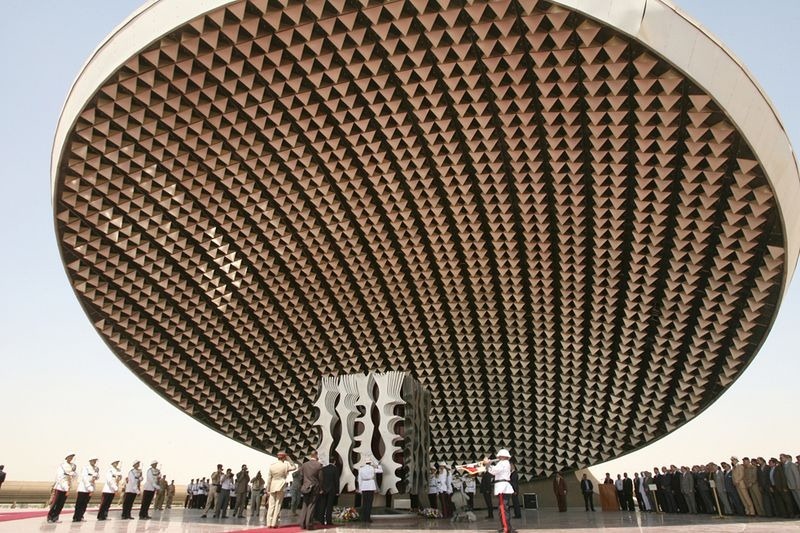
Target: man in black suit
[627, 492]
[487, 489]
[587, 488]
[330, 490]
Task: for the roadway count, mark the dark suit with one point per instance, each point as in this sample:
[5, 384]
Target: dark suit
[330, 489]
[627, 494]
[780, 489]
[312, 481]
[733, 494]
[487, 489]
[587, 488]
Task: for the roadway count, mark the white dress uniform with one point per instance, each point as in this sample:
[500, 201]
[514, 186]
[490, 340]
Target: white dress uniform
[87, 479]
[151, 479]
[132, 483]
[502, 477]
[64, 474]
[111, 486]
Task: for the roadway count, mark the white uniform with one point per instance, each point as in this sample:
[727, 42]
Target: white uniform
[64, 474]
[132, 483]
[111, 486]
[433, 484]
[87, 479]
[151, 479]
[502, 477]
[366, 477]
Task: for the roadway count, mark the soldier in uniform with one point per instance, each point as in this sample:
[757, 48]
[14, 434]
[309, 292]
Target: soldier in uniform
[132, 486]
[170, 493]
[89, 475]
[110, 488]
[275, 485]
[64, 475]
[150, 487]
[367, 485]
[161, 494]
[501, 471]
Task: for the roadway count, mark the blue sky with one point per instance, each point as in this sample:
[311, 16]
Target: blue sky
[64, 391]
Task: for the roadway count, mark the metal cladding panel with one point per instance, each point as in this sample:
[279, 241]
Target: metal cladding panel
[550, 226]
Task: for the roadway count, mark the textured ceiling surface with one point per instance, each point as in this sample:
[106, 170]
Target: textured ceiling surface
[554, 230]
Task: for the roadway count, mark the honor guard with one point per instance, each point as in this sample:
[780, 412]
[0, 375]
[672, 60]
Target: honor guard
[133, 484]
[64, 476]
[89, 474]
[110, 488]
[150, 488]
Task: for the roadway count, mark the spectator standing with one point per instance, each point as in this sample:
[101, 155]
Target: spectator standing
[242, 484]
[487, 489]
[223, 497]
[170, 494]
[256, 492]
[214, 489]
[2, 475]
[469, 490]
[560, 490]
[587, 489]
[330, 491]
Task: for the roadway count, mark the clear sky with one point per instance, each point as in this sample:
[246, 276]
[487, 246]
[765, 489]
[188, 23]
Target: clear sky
[61, 388]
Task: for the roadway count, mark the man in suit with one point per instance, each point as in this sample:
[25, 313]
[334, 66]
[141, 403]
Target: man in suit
[730, 489]
[627, 492]
[587, 488]
[783, 499]
[687, 489]
[560, 490]
[487, 489]
[764, 486]
[721, 488]
[792, 473]
[275, 485]
[310, 489]
[330, 490]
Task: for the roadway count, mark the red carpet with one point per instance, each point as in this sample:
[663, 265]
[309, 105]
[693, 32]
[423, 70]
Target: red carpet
[6, 517]
[288, 528]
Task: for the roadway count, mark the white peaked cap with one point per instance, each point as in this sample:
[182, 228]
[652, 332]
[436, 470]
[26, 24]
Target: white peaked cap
[503, 453]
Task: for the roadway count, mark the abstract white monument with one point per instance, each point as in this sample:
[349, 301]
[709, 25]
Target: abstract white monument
[360, 418]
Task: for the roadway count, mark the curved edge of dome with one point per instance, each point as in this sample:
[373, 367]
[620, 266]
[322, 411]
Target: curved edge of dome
[683, 42]
[148, 23]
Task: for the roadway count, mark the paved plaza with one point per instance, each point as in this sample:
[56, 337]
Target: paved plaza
[574, 521]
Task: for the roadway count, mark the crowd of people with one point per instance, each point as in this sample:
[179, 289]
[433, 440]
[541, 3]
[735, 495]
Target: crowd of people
[314, 482]
[752, 487]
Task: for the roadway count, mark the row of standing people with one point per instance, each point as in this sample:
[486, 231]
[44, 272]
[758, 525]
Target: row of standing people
[754, 487]
[152, 485]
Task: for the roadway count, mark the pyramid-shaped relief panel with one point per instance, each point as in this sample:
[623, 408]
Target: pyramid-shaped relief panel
[525, 209]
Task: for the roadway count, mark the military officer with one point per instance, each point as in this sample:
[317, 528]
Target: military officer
[89, 475]
[110, 488]
[65, 473]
